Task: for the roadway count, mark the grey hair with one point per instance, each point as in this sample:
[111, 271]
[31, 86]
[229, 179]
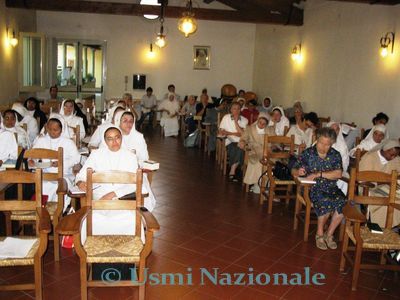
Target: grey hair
[328, 133]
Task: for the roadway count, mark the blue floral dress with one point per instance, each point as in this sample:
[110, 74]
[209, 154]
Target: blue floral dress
[325, 195]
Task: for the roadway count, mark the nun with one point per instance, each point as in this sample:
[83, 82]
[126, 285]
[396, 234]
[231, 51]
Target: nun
[10, 123]
[112, 156]
[67, 110]
[376, 136]
[8, 146]
[54, 138]
[169, 118]
[33, 107]
[266, 107]
[279, 120]
[131, 138]
[95, 139]
[24, 117]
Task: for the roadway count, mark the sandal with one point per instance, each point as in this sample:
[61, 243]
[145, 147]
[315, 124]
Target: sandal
[231, 178]
[320, 242]
[329, 241]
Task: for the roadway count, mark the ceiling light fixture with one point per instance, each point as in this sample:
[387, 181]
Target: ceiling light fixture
[188, 24]
[161, 41]
[150, 2]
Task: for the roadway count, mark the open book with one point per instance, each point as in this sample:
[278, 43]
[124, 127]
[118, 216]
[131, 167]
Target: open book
[306, 181]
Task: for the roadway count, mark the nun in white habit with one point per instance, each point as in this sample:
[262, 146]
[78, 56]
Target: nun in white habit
[131, 138]
[8, 146]
[96, 138]
[112, 156]
[67, 110]
[53, 139]
[279, 120]
[10, 123]
[341, 146]
[266, 107]
[169, 117]
[31, 123]
[375, 137]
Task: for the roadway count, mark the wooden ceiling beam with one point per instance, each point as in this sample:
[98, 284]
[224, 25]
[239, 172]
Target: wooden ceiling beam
[372, 2]
[139, 10]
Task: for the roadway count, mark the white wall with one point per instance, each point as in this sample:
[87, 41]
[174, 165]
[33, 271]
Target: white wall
[128, 39]
[20, 20]
[342, 74]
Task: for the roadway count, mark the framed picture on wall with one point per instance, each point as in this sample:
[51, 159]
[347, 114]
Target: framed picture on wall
[201, 57]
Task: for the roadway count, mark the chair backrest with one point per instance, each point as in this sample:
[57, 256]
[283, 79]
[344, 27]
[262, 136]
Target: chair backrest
[284, 147]
[77, 135]
[114, 177]
[371, 177]
[39, 153]
[323, 120]
[358, 155]
[50, 107]
[22, 177]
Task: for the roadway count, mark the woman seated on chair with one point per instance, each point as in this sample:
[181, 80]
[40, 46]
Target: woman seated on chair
[8, 146]
[96, 138]
[232, 126]
[131, 138]
[112, 156]
[279, 120]
[189, 111]
[380, 118]
[23, 117]
[250, 112]
[54, 138]
[303, 130]
[67, 110]
[33, 107]
[169, 118]
[373, 139]
[11, 124]
[323, 164]
[252, 141]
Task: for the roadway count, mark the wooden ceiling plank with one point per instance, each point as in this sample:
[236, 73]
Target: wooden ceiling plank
[138, 10]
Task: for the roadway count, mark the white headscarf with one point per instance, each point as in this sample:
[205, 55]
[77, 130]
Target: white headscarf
[280, 126]
[64, 131]
[266, 109]
[62, 109]
[22, 135]
[341, 146]
[112, 112]
[368, 143]
[20, 108]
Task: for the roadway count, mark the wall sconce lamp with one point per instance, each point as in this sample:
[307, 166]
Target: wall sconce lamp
[296, 52]
[12, 37]
[151, 54]
[387, 44]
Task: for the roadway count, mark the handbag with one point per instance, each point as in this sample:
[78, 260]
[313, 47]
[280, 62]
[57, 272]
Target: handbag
[281, 171]
[67, 241]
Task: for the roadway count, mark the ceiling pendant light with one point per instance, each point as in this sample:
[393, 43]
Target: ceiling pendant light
[150, 2]
[188, 24]
[161, 41]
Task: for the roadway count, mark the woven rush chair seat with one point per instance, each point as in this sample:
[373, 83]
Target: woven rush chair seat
[26, 261]
[283, 182]
[389, 240]
[113, 248]
[31, 215]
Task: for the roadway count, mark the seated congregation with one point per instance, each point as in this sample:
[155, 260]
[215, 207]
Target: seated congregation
[88, 177]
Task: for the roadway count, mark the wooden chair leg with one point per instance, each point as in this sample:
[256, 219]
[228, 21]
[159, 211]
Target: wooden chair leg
[56, 241]
[345, 245]
[142, 291]
[341, 231]
[246, 188]
[38, 278]
[356, 267]
[297, 209]
[270, 197]
[225, 162]
[307, 222]
[7, 217]
[83, 274]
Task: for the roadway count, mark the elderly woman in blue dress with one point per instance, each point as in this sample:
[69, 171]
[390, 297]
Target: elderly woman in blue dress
[323, 164]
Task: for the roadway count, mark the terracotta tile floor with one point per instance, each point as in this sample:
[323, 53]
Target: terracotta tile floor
[207, 222]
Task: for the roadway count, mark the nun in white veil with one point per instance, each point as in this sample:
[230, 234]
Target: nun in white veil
[67, 110]
[375, 137]
[169, 117]
[131, 138]
[55, 138]
[279, 120]
[112, 156]
[31, 123]
[9, 122]
[8, 145]
[341, 146]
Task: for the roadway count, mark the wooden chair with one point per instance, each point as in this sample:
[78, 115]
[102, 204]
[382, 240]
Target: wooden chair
[50, 107]
[323, 120]
[300, 214]
[361, 137]
[270, 156]
[361, 236]
[77, 136]
[220, 143]
[127, 249]
[43, 227]
[55, 209]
